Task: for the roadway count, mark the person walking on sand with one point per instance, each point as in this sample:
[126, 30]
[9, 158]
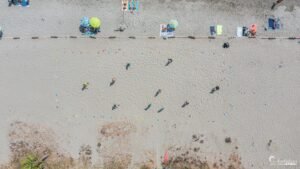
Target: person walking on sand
[114, 107]
[127, 66]
[85, 86]
[10, 3]
[169, 61]
[214, 89]
[112, 81]
[276, 3]
[148, 107]
[185, 104]
[157, 93]
[160, 110]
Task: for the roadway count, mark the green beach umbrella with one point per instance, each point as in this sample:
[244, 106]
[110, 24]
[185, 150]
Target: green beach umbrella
[173, 23]
[95, 22]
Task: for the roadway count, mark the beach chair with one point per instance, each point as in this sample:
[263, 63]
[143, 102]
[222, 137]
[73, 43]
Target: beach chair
[133, 5]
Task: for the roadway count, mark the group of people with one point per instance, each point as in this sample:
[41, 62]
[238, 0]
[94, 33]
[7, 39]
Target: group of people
[157, 93]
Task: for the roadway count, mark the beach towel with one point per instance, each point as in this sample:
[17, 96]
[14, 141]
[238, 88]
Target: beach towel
[271, 23]
[274, 23]
[219, 29]
[239, 31]
[124, 5]
[212, 30]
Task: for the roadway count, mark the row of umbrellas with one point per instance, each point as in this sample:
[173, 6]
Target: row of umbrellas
[95, 22]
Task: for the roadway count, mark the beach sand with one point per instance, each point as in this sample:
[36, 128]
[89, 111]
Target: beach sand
[258, 99]
[43, 104]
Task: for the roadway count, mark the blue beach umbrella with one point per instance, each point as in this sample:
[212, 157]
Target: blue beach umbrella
[25, 2]
[85, 21]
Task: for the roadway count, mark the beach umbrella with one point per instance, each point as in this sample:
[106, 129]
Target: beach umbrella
[84, 21]
[173, 23]
[95, 22]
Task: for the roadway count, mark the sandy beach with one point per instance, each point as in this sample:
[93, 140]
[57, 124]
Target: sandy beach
[254, 114]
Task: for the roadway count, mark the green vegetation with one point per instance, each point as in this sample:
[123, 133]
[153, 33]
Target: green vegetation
[31, 162]
[144, 167]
